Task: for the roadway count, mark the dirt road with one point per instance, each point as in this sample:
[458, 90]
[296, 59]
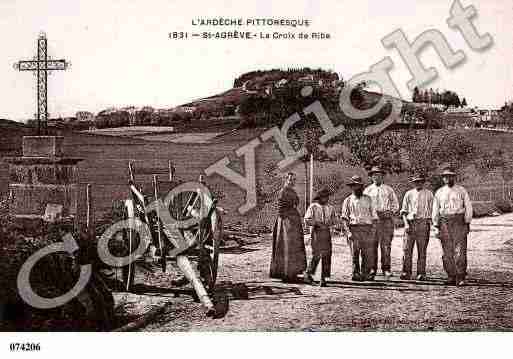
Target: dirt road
[485, 303]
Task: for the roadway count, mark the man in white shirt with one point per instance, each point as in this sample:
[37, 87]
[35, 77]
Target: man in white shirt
[416, 213]
[320, 216]
[358, 220]
[386, 205]
[452, 214]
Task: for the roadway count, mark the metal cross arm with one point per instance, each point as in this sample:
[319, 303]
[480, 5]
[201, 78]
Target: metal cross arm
[48, 65]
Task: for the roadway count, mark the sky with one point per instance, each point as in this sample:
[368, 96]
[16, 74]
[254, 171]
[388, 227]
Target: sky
[121, 54]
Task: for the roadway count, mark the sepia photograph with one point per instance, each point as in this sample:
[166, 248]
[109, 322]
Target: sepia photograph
[255, 166]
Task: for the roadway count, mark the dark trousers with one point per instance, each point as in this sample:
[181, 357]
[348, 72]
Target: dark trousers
[417, 235]
[453, 237]
[325, 260]
[384, 236]
[321, 251]
[362, 246]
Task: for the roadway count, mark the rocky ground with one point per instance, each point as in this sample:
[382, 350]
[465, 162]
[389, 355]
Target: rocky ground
[257, 303]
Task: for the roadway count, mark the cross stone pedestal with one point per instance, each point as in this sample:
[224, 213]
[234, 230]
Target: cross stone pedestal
[43, 183]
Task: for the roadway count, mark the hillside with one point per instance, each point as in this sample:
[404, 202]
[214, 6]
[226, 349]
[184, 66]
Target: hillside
[267, 98]
[258, 99]
[260, 78]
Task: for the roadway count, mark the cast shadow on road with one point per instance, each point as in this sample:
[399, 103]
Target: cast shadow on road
[238, 250]
[155, 291]
[261, 291]
[469, 282]
[485, 283]
[375, 285]
[226, 292]
[219, 296]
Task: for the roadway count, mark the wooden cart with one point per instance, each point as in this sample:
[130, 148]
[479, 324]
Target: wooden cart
[197, 242]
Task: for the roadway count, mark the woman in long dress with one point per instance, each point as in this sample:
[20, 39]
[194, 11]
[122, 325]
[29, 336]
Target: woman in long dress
[289, 255]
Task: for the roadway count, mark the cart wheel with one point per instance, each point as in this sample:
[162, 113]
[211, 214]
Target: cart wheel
[212, 233]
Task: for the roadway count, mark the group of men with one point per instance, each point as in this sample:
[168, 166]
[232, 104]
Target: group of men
[367, 222]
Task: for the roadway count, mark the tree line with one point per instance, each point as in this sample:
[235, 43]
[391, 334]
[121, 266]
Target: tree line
[290, 74]
[446, 98]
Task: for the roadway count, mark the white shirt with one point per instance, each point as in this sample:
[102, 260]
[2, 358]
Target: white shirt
[324, 214]
[451, 200]
[417, 204]
[383, 198]
[358, 210]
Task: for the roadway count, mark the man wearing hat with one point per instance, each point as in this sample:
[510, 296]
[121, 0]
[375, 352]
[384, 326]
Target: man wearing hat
[320, 216]
[416, 214]
[386, 205]
[452, 214]
[358, 219]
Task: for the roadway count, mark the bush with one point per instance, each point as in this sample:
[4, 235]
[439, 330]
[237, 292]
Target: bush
[52, 276]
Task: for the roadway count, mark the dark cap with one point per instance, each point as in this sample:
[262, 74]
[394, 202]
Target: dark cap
[324, 192]
[376, 169]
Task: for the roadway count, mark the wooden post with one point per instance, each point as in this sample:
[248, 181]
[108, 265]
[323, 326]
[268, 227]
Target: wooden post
[171, 170]
[311, 176]
[90, 214]
[306, 187]
[129, 204]
[161, 244]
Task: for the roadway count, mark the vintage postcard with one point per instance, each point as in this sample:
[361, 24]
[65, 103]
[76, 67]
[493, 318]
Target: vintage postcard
[255, 166]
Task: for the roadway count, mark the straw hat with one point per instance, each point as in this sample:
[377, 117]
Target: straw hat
[418, 178]
[355, 181]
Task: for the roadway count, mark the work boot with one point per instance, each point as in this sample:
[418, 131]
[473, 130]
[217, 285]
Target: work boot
[356, 277]
[405, 276]
[370, 277]
[450, 281]
[307, 278]
[387, 274]
[421, 277]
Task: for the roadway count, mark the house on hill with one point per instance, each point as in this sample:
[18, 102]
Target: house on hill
[84, 116]
[308, 80]
[454, 109]
[488, 118]
[281, 83]
[187, 109]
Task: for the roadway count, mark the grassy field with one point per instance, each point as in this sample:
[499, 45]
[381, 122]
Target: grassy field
[106, 161]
